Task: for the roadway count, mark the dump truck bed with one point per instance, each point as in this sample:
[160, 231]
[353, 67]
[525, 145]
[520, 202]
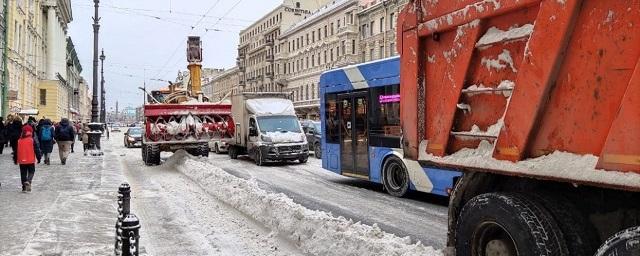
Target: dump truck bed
[547, 89]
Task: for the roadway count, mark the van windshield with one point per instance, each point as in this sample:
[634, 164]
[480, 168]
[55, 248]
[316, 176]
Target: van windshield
[278, 124]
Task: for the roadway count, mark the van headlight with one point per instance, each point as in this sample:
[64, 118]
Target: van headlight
[265, 138]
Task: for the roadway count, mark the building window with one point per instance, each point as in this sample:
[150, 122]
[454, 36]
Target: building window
[43, 97]
[331, 54]
[353, 47]
[307, 93]
[371, 26]
[392, 20]
[381, 55]
[344, 46]
[392, 49]
[313, 60]
[331, 28]
[382, 24]
[313, 36]
[371, 54]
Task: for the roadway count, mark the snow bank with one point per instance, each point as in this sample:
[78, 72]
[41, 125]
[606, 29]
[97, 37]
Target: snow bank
[315, 232]
[270, 106]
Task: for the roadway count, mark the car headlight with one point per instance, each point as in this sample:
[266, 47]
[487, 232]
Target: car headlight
[266, 138]
[130, 139]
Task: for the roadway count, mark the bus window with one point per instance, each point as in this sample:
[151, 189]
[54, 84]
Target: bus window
[332, 124]
[384, 117]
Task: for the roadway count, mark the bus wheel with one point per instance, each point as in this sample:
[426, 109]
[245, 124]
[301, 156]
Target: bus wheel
[507, 224]
[395, 177]
[624, 243]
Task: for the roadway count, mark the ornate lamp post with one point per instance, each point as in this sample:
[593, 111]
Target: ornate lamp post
[103, 112]
[96, 128]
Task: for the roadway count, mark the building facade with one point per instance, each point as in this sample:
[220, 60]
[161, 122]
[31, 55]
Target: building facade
[74, 70]
[55, 89]
[258, 44]
[326, 39]
[4, 108]
[377, 21]
[25, 48]
[224, 85]
[84, 97]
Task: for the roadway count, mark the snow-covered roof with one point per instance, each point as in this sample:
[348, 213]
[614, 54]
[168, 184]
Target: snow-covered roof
[319, 14]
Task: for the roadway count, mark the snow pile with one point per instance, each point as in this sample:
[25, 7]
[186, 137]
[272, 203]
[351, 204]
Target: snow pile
[504, 60]
[285, 137]
[315, 232]
[495, 35]
[270, 106]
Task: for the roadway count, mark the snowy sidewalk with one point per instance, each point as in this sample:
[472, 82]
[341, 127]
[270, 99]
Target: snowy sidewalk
[71, 211]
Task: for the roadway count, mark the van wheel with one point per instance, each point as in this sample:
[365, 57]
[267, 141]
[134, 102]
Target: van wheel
[624, 243]
[233, 152]
[317, 150]
[507, 224]
[395, 177]
[258, 158]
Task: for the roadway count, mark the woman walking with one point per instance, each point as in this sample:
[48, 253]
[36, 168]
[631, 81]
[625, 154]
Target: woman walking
[28, 151]
[45, 135]
[14, 131]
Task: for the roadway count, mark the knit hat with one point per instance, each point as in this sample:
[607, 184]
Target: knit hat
[27, 131]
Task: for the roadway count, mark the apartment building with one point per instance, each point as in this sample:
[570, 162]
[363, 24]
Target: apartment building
[25, 47]
[377, 21]
[224, 85]
[326, 39]
[258, 44]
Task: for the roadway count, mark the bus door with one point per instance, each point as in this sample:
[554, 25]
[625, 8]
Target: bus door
[354, 136]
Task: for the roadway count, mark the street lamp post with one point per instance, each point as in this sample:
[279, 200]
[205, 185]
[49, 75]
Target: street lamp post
[103, 109]
[96, 128]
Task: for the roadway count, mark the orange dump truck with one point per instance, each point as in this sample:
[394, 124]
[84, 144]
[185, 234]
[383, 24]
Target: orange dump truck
[538, 103]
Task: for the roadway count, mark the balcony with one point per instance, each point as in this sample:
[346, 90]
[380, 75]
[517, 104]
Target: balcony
[241, 68]
[269, 42]
[307, 103]
[270, 58]
[269, 75]
[241, 55]
[348, 29]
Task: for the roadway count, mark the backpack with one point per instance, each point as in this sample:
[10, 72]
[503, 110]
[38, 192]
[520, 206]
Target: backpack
[26, 153]
[46, 134]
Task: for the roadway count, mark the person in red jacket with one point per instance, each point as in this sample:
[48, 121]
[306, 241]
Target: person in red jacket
[28, 151]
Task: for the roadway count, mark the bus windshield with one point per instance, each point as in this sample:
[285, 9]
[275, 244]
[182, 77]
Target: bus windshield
[278, 124]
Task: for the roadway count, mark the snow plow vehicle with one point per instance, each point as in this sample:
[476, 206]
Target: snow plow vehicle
[537, 103]
[183, 118]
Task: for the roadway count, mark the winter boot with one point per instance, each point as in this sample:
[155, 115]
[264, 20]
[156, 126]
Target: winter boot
[28, 186]
[24, 187]
[64, 161]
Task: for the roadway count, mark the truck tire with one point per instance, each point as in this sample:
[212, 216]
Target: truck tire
[395, 177]
[143, 149]
[233, 152]
[317, 150]
[204, 150]
[507, 224]
[624, 243]
[579, 235]
[152, 155]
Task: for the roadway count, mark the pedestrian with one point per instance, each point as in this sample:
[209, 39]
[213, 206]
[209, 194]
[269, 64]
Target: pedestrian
[46, 134]
[27, 152]
[85, 138]
[64, 136]
[3, 135]
[13, 132]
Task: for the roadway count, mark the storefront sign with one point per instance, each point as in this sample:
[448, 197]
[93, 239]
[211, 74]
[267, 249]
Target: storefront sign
[297, 11]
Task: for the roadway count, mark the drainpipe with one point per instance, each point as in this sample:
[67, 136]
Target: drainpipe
[5, 73]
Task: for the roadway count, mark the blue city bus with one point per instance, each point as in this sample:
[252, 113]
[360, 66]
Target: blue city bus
[360, 111]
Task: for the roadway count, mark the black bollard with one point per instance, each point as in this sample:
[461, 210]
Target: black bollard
[130, 235]
[124, 208]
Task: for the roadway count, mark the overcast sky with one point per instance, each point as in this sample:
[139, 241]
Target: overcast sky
[148, 38]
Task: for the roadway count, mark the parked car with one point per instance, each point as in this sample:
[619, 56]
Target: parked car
[219, 146]
[133, 137]
[313, 131]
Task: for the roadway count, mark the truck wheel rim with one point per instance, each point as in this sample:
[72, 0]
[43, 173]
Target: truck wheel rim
[491, 239]
[397, 176]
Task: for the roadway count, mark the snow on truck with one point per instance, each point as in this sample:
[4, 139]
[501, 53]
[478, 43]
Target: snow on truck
[267, 128]
[183, 118]
[537, 102]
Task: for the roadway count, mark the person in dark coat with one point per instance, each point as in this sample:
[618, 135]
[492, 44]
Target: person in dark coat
[13, 132]
[65, 136]
[3, 135]
[46, 134]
